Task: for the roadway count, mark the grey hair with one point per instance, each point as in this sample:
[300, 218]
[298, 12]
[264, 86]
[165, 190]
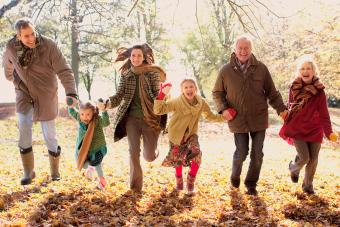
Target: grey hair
[306, 58]
[243, 37]
[22, 23]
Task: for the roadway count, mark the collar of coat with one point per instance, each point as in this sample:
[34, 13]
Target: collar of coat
[193, 109]
[149, 68]
[301, 93]
[252, 60]
[25, 54]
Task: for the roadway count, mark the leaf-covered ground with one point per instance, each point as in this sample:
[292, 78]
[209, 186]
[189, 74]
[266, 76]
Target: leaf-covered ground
[75, 200]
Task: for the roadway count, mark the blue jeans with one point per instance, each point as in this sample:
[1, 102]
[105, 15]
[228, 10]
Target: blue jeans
[25, 131]
[241, 153]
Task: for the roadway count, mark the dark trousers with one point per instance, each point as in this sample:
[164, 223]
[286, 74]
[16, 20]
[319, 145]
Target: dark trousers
[241, 153]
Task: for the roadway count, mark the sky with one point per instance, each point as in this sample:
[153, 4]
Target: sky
[179, 17]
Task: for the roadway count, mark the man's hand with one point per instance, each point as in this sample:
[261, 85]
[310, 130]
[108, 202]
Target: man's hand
[284, 114]
[229, 114]
[71, 101]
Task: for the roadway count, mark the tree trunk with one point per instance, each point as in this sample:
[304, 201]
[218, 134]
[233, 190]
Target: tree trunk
[198, 80]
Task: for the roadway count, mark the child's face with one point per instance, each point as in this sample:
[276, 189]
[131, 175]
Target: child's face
[189, 90]
[306, 72]
[86, 115]
[136, 57]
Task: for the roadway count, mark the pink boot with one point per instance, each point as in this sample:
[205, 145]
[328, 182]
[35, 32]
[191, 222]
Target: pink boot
[190, 184]
[89, 172]
[101, 183]
[179, 183]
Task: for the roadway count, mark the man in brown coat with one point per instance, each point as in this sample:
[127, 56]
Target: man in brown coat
[33, 62]
[241, 91]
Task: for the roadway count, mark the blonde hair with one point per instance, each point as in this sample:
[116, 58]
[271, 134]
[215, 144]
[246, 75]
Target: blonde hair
[306, 58]
[188, 80]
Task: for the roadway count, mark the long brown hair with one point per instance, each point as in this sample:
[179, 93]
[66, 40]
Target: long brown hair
[123, 53]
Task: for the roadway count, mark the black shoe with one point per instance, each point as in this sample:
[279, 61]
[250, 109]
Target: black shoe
[251, 191]
[28, 180]
[235, 182]
[293, 177]
[309, 191]
[56, 178]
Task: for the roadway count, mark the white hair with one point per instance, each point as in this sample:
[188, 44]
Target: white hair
[246, 37]
[306, 58]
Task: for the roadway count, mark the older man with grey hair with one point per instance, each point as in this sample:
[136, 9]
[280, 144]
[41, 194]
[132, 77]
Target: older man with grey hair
[241, 91]
[33, 62]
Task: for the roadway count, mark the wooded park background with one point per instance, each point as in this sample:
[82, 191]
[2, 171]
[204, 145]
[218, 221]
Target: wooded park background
[190, 38]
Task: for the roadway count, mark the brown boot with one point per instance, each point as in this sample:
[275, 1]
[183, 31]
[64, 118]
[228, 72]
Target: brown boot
[54, 164]
[27, 158]
[190, 184]
[179, 183]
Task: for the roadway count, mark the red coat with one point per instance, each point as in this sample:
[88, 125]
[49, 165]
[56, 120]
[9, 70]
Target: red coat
[311, 122]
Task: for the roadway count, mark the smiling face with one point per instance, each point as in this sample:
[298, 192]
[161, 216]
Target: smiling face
[189, 90]
[306, 72]
[86, 115]
[136, 57]
[243, 50]
[27, 36]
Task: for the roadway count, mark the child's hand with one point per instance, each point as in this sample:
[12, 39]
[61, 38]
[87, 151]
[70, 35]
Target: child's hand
[333, 137]
[229, 114]
[284, 114]
[164, 91]
[101, 105]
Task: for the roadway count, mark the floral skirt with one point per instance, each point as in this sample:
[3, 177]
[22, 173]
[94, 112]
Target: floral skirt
[184, 153]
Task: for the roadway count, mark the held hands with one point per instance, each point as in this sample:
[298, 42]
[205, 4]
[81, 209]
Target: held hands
[71, 101]
[333, 137]
[284, 114]
[102, 105]
[229, 114]
[164, 91]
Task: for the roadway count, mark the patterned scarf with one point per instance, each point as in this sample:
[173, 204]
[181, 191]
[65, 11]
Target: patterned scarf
[243, 67]
[151, 119]
[300, 94]
[149, 68]
[24, 53]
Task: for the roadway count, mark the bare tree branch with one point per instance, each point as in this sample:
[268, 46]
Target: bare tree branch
[7, 7]
[134, 5]
[173, 15]
[269, 10]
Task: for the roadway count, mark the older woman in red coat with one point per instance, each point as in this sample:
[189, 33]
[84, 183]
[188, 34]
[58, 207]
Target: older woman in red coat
[307, 121]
